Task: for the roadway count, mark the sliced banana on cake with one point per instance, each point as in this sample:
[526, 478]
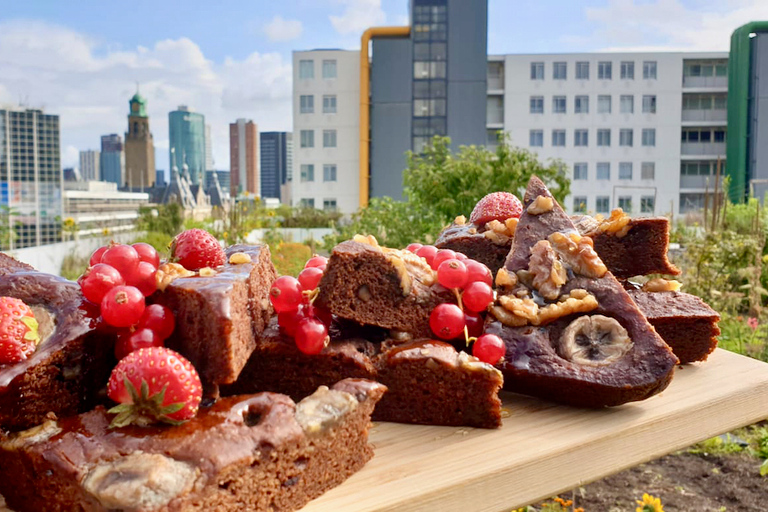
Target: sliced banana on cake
[594, 340]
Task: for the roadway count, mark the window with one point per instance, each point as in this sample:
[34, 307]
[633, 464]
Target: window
[429, 108]
[719, 135]
[627, 104]
[649, 104]
[306, 69]
[582, 70]
[307, 172]
[625, 137]
[307, 104]
[329, 172]
[602, 204]
[625, 170]
[647, 204]
[329, 204]
[581, 138]
[329, 138]
[721, 70]
[559, 70]
[537, 104]
[627, 70]
[307, 138]
[647, 171]
[625, 203]
[580, 171]
[329, 68]
[603, 104]
[579, 204]
[537, 71]
[603, 170]
[430, 69]
[536, 138]
[649, 136]
[604, 137]
[604, 70]
[307, 203]
[581, 105]
[558, 104]
[720, 102]
[329, 104]
[558, 137]
[649, 70]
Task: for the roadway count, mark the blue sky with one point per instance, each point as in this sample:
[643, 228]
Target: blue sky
[232, 58]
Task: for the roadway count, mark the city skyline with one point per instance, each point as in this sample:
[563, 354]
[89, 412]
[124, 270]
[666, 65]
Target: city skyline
[82, 62]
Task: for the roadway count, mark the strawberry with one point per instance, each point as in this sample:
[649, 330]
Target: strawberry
[194, 249]
[18, 331]
[496, 206]
[154, 384]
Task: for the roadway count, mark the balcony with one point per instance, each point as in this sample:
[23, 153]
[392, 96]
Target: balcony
[705, 81]
[495, 83]
[494, 112]
[720, 115]
[697, 182]
[702, 148]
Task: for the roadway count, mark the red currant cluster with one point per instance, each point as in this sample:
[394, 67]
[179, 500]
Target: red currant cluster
[472, 282]
[118, 279]
[296, 315]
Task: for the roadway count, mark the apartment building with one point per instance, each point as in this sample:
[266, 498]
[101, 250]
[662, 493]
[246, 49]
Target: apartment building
[639, 131]
[326, 97]
[90, 165]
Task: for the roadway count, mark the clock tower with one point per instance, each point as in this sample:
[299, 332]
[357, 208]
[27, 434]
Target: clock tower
[139, 146]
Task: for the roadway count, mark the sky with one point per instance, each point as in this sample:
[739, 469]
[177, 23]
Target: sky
[229, 59]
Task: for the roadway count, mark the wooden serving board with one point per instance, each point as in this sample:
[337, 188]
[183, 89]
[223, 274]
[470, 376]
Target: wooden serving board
[544, 449]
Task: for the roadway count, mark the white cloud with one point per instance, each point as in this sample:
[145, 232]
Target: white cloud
[358, 15]
[281, 30]
[668, 25]
[89, 84]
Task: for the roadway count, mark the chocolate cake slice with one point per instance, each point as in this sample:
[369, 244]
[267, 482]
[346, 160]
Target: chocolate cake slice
[260, 452]
[479, 243]
[374, 285]
[572, 332]
[220, 312]
[685, 322]
[71, 365]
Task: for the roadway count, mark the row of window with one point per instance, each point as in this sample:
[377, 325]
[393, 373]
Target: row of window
[581, 137]
[581, 104]
[307, 69]
[703, 135]
[581, 171]
[307, 138]
[703, 168]
[602, 204]
[307, 104]
[328, 204]
[308, 172]
[604, 70]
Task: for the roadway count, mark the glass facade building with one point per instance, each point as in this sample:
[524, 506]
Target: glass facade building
[186, 132]
[274, 162]
[112, 159]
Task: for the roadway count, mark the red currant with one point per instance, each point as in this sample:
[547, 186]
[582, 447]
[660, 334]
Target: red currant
[427, 252]
[311, 335]
[488, 348]
[122, 306]
[285, 293]
[128, 341]
[452, 274]
[414, 247]
[123, 257]
[289, 320]
[159, 319]
[441, 256]
[310, 277]
[477, 296]
[147, 253]
[96, 256]
[461, 256]
[476, 271]
[323, 314]
[316, 261]
[447, 321]
[475, 324]
[98, 280]
[143, 278]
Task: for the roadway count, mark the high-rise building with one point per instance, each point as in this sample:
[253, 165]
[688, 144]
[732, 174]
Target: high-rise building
[90, 165]
[222, 176]
[30, 178]
[112, 159]
[160, 178]
[274, 162]
[208, 148]
[139, 146]
[186, 132]
[244, 157]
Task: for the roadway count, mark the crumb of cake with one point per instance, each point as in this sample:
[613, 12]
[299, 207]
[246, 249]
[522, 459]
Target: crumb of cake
[238, 258]
[595, 340]
[505, 279]
[661, 285]
[548, 271]
[206, 272]
[578, 253]
[168, 272]
[542, 204]
[460, 220]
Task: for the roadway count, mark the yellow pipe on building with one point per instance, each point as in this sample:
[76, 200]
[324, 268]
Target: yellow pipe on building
[365, 102]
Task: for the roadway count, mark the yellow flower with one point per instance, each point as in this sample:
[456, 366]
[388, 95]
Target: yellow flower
[649, 504]
[105, 232]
